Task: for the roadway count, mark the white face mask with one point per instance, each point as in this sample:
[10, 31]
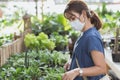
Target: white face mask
[77, 25]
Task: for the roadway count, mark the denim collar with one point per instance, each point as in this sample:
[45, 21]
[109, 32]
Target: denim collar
[90, 29]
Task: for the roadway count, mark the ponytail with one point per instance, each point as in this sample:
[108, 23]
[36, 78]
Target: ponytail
[94, 18]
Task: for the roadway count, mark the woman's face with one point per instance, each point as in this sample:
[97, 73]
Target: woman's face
[77, 21]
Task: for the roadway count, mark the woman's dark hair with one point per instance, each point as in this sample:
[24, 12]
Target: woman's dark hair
[78, 6]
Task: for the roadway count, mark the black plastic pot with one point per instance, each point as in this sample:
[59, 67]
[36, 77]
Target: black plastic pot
[116, 57]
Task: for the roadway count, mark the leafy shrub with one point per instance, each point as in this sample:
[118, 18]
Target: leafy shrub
[44, 65]
[38, 42]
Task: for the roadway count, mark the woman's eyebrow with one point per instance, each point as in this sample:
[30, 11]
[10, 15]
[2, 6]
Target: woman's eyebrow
[70, 15]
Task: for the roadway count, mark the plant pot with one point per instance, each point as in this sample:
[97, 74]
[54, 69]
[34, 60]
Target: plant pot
[116, 57]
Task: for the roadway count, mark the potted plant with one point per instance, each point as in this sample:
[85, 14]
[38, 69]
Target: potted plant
[116, 50]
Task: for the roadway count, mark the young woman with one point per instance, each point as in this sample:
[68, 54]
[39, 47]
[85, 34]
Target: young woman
[88, 49]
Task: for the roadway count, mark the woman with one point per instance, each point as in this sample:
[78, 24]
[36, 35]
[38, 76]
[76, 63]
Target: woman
[88, 49]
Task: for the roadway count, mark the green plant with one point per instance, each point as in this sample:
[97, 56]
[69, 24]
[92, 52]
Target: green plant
[110, 22]
[102, 11]
[61, 41]
[54, 74]
[33, 72]
[58, 58]
[45, 42]
[40, 42]
[36, 25]
[63, 21]
[31, 41]
[109, 18]
[6, 39]
[51, 23]
[44, 65]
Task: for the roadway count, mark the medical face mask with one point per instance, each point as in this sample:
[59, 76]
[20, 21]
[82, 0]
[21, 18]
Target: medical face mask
[77, 25]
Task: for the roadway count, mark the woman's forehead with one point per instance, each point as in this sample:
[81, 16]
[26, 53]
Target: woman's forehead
[70, 14]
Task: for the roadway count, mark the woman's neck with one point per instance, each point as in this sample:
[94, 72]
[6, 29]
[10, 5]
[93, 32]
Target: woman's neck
[87, 26]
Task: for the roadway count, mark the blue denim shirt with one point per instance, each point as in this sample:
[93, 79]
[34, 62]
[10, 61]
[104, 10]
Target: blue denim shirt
[90, 40]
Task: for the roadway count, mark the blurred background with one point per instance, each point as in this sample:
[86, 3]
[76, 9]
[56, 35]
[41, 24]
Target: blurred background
[36, 40]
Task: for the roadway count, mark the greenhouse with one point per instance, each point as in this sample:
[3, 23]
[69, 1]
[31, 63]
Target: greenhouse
[59, 39]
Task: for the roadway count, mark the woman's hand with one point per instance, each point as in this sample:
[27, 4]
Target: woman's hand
[67, 65]
[70, 75]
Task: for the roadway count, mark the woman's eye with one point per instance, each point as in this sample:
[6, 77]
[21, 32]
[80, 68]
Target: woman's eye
[73, 18]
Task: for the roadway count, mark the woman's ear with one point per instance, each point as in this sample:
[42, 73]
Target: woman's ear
[84, 14]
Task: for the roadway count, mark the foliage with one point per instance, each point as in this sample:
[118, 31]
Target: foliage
[102, 11]
[6, 39]
[62, 20]
[36, 25]
[31, 41]
[39, 42]
[61, 41]
[44, 65]
[74, 35]
[110, 18]
[51, 23]
[54, 74]
[111, 22]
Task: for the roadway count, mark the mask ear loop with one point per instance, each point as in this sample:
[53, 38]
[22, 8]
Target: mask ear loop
[83, 20]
